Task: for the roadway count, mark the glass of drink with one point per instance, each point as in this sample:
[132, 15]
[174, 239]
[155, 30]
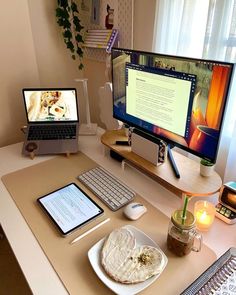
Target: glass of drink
[182, 234]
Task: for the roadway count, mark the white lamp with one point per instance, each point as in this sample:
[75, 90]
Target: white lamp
[88, 128]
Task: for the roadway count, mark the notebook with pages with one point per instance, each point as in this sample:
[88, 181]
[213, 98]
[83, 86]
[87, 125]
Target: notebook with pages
[53, 121]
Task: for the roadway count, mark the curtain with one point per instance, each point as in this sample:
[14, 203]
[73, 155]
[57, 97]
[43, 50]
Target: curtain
[203, 29]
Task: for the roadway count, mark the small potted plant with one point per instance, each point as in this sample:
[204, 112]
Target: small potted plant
[206, 167]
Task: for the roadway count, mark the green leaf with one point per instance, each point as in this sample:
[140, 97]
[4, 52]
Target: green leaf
[70, 46]
[59, 12]
[64, 23]
[62, 13]
[78, 38]
[77, 24]
[60, 22]
[63, 3]
[67, 24]
[73, 56]
[81, 66]
[206, 162]
[79, 52]
[67, 34]
[74, 7]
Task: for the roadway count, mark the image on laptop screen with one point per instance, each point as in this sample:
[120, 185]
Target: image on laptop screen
[50, 105]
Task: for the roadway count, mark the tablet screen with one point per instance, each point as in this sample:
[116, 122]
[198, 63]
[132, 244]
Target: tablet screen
[69, 207]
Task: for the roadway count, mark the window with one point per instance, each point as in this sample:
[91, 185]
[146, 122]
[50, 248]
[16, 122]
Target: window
[207, 29]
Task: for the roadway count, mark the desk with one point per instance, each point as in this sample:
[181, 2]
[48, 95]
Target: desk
[38, 271]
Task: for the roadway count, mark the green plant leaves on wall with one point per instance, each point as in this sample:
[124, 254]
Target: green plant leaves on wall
[68, 19]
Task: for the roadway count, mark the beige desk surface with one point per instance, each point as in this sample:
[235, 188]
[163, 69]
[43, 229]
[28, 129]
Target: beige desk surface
[38, 271]
[71, 261]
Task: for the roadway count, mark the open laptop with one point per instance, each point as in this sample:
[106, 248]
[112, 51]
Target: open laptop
[53, 121]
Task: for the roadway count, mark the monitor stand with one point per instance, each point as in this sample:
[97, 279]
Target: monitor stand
[146, 149]
[190, 183]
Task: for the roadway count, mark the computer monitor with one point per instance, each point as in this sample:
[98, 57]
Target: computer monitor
[177, 99]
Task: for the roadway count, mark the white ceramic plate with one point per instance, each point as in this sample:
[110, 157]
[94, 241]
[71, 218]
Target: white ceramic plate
[118, 288]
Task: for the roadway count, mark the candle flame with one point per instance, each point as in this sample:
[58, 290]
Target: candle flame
[203, 216]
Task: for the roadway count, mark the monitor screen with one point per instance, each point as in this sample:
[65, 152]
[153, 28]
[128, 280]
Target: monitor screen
[178, 99]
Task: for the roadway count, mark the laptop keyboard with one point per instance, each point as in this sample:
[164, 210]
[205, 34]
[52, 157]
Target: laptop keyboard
[52, 132]
[108, 188]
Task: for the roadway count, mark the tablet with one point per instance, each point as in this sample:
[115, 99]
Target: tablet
[69, 207]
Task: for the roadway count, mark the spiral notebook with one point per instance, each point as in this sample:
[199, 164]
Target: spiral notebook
[218, 279]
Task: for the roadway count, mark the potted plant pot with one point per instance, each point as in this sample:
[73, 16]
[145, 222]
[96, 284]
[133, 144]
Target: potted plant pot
[206, 168]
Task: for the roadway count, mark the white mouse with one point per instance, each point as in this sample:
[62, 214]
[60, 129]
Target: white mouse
[134, 211]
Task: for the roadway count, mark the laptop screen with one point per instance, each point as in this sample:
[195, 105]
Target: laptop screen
[51, 105]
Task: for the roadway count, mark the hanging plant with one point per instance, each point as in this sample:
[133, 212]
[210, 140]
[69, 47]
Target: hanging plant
[67, 18]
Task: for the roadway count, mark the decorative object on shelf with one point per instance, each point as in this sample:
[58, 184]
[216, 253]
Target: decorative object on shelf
[206, 167]
[205, 214]
[109, 20]
[104, 39]
[67, 18]
[182, 235]
[123, 23]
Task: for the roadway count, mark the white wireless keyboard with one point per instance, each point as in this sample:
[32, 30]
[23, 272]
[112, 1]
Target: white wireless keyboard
[108, 188]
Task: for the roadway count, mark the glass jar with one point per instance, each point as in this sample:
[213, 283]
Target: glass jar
[182, 234]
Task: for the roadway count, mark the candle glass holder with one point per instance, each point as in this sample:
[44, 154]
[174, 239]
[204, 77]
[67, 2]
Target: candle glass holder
[204, 213]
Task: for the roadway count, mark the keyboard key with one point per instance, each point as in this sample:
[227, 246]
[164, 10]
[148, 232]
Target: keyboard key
[107, 187]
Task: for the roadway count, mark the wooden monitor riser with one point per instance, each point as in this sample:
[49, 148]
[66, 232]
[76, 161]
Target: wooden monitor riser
[190, 183]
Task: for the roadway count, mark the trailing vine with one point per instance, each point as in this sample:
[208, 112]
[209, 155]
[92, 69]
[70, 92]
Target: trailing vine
[67, 18]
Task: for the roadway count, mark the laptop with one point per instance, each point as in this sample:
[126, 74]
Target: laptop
[53, 121]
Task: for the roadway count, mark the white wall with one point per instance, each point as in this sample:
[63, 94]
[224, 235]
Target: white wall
[55, 65]
[144, 19]
[18, 67]
[33, 54]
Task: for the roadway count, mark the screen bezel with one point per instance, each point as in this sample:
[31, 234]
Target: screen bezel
[51, 89]
[151, 135]
[65, 233]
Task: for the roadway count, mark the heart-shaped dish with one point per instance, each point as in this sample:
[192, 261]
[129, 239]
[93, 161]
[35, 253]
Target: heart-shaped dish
[94, 255]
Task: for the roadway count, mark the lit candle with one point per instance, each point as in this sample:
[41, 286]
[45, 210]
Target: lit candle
[204, 213]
